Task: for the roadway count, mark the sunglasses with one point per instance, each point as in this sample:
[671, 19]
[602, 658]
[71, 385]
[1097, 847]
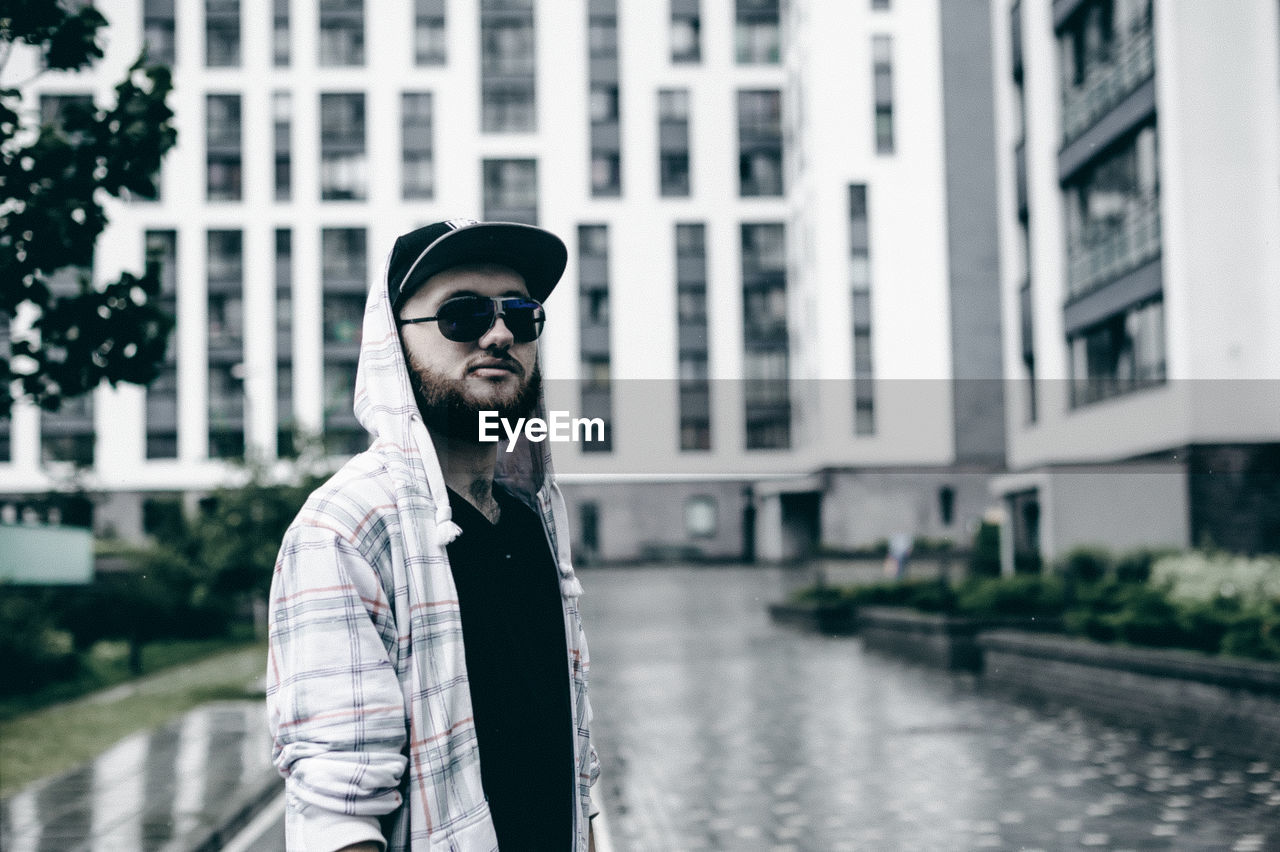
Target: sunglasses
[466, 319]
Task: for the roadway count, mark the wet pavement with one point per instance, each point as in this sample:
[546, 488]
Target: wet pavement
[719, 730]
[178, 787]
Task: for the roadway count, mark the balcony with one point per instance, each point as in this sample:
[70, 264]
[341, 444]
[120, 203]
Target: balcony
[1107, 85]
[1111, 249]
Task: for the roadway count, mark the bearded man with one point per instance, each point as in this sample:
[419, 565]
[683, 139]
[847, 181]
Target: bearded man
[427, 673]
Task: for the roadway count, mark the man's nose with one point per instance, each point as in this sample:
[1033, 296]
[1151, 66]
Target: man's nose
[498, 336]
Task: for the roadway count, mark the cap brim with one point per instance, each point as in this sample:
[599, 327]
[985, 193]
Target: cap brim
[539, 256]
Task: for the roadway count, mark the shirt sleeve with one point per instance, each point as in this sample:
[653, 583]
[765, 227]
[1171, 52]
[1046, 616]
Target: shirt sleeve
[335, 706]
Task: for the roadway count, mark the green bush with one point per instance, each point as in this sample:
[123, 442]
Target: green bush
[984, 559]
[1205, 576]
[1135, 566]
[1085, 565]
[924, 595]
[1254, 633]
[1022, 595]
[30, 656]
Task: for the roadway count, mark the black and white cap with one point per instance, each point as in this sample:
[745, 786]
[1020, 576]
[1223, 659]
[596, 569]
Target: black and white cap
[538, 255]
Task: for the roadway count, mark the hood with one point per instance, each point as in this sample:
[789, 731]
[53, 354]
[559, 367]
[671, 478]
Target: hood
[385, 407]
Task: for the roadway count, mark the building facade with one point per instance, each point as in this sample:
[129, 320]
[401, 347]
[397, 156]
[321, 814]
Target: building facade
[782, 294]
[1139, 152]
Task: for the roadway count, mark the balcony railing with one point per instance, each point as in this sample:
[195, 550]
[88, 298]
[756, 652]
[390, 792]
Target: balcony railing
[1112, 249]
[1106, 85]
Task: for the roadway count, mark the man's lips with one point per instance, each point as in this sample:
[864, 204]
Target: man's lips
[493, 368]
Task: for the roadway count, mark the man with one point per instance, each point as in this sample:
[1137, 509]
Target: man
[427, 668]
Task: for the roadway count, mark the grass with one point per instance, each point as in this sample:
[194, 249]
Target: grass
[50, 740]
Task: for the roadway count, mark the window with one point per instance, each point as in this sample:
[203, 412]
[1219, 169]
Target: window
[1113, 214]
[507, 67]
[692, 346]
[224, 266]
[593, 285]
[286, 426]
[700, 516]
[882, 76]
[161, 249]
[511, 191]
[606, 135]
[417, 178]
[343, 259]
[759, 143]
[343, 166]
[222, 147]
[860, 290]
[673, 142]
[429, 33]
[341, 32]
[344, 284]
[589, 527]
[222, 33]
[67, 435]
[282, 118]
[281, 52]
[757, 32]
[158, 28]
[686, 31]
[1124, 353]
[765, 340]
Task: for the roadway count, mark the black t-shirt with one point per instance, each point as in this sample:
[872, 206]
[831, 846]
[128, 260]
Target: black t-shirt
[514, 633]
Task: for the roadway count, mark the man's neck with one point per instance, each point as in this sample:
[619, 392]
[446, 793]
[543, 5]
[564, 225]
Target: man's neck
[468, 471]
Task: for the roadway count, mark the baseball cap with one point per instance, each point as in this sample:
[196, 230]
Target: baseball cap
[538, 255]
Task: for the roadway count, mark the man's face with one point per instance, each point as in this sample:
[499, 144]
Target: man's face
[452, 380]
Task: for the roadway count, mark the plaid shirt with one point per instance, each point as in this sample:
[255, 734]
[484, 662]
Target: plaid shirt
[367, 695]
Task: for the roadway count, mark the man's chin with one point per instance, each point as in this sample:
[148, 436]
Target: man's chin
[492, 396]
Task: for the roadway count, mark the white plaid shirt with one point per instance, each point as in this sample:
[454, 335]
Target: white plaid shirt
[368, 698]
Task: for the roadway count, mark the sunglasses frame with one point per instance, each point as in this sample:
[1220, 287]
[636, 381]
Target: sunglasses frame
[499, 310]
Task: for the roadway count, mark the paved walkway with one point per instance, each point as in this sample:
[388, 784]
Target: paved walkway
[186, 786]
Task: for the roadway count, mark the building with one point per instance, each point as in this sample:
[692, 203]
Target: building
[1139, 201]
[782, 292]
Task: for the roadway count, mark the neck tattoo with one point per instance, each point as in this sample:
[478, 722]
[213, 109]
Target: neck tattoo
[481, 494]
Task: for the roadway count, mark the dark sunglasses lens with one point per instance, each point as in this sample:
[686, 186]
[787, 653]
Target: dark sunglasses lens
[524, 318]
[464, 320]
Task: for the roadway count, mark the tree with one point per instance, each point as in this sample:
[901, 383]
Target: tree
[54, 176]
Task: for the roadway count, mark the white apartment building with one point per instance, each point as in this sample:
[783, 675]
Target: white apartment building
[782, 292]
[1139, 161]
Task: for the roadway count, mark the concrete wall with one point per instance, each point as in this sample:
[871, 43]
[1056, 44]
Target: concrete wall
[973, 255]
[1233, 704]
[643, 520]
[863, 507]
[1117, 507]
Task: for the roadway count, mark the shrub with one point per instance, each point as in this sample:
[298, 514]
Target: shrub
[29, 656]
[984, 559]
[1085, 565]
[1205, 576]
[1255, 634]
[1135, 566]
[1023, 595]
[925, 595]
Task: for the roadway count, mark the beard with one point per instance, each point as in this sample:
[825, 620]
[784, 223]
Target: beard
[450, 408]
